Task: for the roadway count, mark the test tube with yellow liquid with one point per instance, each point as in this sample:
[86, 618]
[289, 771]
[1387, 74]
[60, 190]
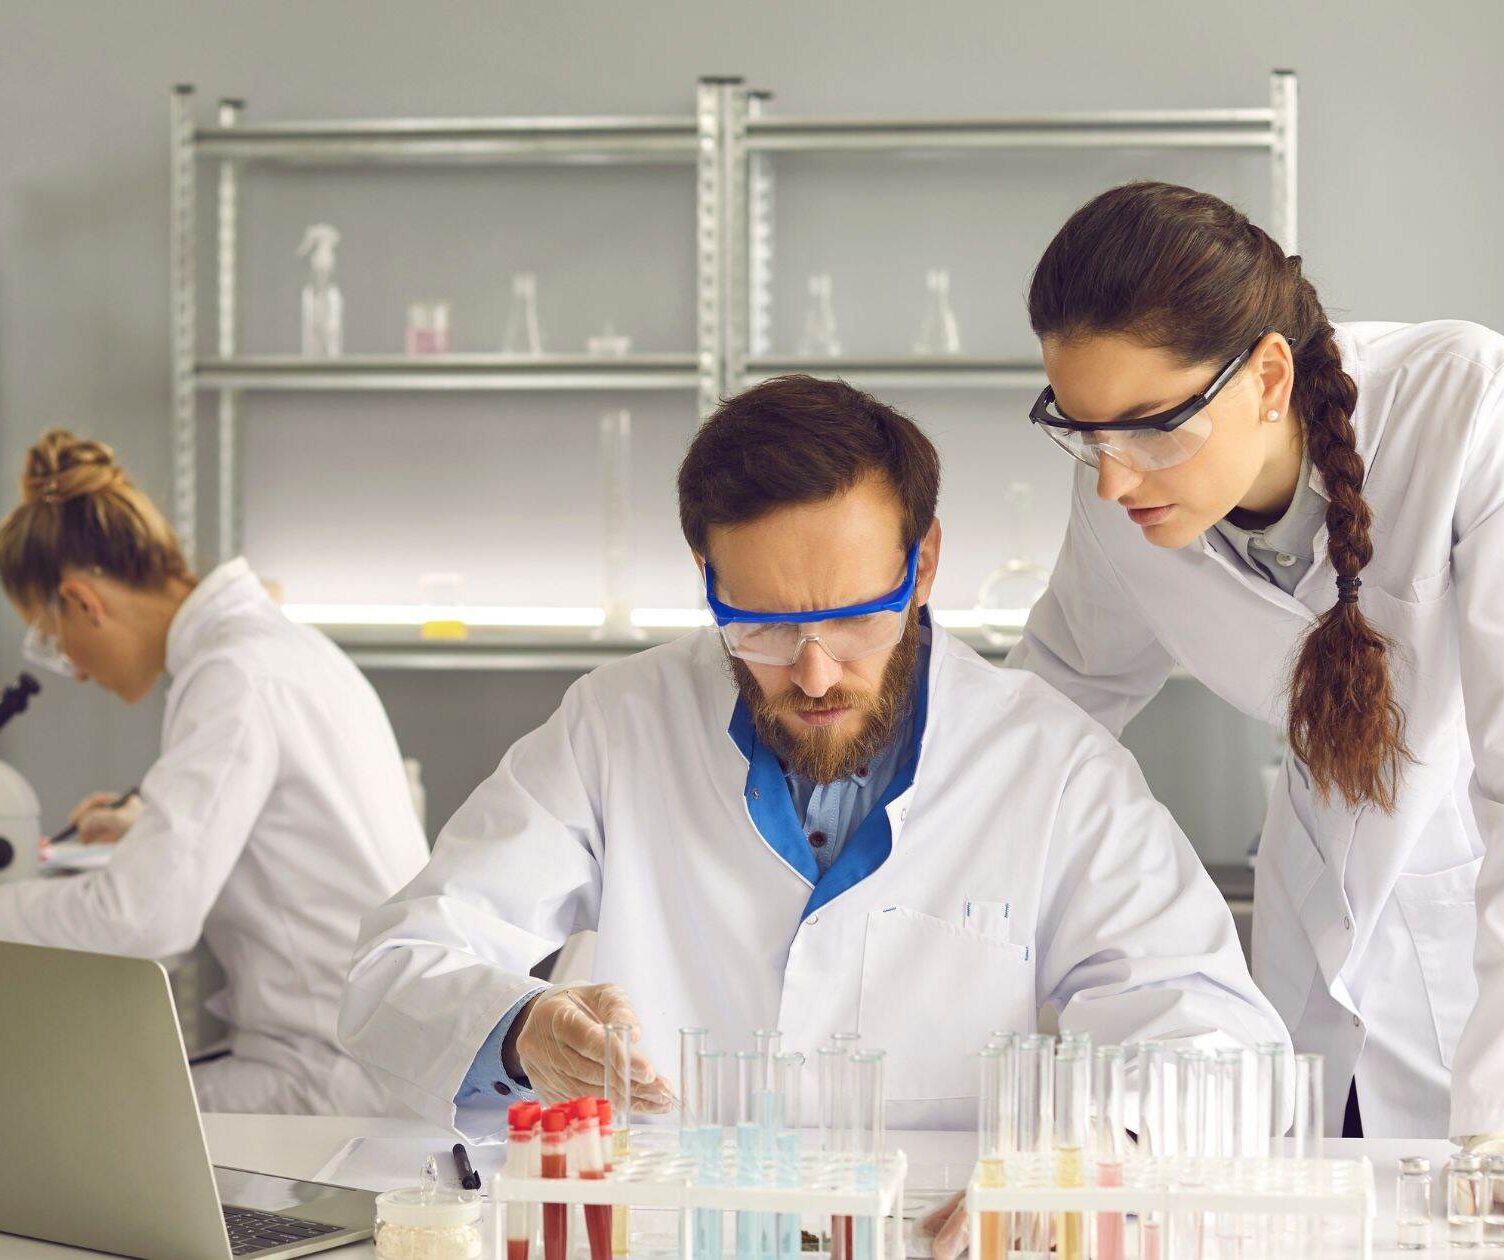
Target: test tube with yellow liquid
[443, 607]
[997, 1127]
[1072, 1086]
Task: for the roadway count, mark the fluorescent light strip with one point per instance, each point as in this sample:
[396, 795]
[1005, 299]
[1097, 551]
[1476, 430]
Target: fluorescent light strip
[478, 615]
[499, 616]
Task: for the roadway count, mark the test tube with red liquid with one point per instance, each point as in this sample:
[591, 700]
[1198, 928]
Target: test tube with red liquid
[520, 1143]
[592, 1167]
[555, 1167]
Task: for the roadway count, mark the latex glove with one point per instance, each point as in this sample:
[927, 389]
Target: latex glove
[561, 1046]
[1482, 1143]
[98, 823]
[946, 1228]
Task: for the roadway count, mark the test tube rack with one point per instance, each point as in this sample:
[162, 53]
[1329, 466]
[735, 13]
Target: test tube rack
[671, 1179]
[1337, 1192]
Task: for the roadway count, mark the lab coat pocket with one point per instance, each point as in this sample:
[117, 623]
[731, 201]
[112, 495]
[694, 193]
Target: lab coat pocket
[1441, 915]
[931, 992]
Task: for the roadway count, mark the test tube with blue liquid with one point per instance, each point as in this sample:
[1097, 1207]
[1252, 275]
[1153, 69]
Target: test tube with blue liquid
[767, 1043]
[750, 1113]
[708, 1113]
[788, 1075]
[869, 1142]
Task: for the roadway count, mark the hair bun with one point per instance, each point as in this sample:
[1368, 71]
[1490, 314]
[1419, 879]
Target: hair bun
[61, 467]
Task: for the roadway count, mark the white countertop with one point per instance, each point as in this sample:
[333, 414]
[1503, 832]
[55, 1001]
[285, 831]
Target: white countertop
[298, 1146]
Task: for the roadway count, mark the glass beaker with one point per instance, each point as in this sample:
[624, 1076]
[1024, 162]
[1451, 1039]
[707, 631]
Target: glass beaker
[1011, 590]
[442, 598]
[524, 335]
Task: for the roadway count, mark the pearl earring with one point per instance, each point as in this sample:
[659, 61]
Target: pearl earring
[1271, 416]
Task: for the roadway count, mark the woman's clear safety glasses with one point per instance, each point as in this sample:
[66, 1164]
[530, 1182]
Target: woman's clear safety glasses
[43, 649]
[845, 634]
[1145, 443]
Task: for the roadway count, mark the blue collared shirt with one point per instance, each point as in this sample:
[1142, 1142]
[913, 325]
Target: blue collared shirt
[790, 822]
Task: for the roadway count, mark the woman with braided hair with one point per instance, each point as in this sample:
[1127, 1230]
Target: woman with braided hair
[276, 814]
[1308, 518]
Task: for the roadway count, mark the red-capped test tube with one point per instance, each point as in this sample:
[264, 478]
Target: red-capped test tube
[592, 1167]
[555, 1167]
[521, 1119]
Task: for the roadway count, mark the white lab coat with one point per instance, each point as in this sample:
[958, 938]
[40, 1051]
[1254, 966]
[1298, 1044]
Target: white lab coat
[1030, 866]
[1364, 922]
[276, 815]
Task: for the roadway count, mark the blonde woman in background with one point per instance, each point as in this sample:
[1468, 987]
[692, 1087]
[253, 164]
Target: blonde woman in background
[277, 813]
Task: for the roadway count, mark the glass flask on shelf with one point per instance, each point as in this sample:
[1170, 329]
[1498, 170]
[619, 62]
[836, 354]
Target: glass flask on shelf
[442, 599]
[1011, 589]
[818, 338]
[524, 336]
[323, 304]
[938, 334]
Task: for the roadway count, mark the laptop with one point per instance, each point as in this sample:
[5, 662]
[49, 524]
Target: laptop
[101, 1145]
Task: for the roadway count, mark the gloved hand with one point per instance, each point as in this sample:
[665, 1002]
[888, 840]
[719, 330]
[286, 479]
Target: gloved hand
[946, 1228]
[559, 1043]
[1482, 1143]
[99, 823]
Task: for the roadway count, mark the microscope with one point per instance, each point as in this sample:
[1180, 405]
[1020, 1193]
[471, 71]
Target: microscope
[20, 811]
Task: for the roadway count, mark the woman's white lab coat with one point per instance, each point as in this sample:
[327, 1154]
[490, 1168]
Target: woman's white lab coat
[1364, 923]
[1029, 867]
[277, 813]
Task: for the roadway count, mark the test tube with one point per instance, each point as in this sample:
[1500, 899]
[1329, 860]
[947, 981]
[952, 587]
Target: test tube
[788, 1076]
[1412, 1205]
[750, 1110]
[590, 1165]
[555, 1167]
[1310, 1104]
[691, 1042]
[1110, 1144]
[1273, 1066]
[831, 1063]
[1189, 1228]
[869, 1145]
[767, 1042]
[1493, 1200]
[520, 1120]
[1072, 1100]
[1036, 1120]
[1230, 1136]
[1153, 1137]
[618, 1091]
[708, 1110]
[996, 1133]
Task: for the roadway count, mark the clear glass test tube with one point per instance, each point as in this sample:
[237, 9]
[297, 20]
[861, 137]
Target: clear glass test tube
[1493, 1201]
[691, 1042]
[1310, 1105]
[1412, 1205]
[788, 1079]
[618, 1091]
[869, 1145]
[1188, 1229]
[996, 1134]
[750, 1109]
[1155, 1126]
[1273, 1071]
[831, 1063]
[1230, 1137]
[1072, 1103]
[1036, 1123]
[709, 1112]
[1109, 1145]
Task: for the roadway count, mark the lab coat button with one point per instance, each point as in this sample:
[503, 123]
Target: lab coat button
[812, 920]
[755, 794]
[1357, 1023]
[903, 814]
[1284, 561]
[1347, 922]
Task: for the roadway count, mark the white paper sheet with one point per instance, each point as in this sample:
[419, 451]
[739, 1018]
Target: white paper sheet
[389, 1163]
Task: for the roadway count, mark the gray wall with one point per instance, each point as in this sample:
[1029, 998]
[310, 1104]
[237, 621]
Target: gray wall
[352, 498]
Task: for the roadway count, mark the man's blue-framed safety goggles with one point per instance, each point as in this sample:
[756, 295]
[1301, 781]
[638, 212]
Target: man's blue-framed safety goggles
[845, 634]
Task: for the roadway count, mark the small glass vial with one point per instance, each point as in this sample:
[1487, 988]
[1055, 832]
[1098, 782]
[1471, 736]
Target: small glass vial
[1493, 1201]
[1465, 1201]
[423, 1223]
[1412, 1211]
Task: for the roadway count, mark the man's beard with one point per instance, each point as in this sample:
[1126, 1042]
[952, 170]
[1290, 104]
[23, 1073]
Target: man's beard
[819, 754]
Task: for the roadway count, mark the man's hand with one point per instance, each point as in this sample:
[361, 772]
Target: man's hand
[558, 1042]
[100, 821]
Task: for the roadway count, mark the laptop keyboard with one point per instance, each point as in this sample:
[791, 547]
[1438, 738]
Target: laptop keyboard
[252, 1231]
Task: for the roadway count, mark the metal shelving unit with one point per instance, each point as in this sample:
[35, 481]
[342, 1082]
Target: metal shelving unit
[732, 142]
[754, 139]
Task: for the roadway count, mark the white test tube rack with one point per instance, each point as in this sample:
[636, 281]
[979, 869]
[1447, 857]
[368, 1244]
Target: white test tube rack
[670, 1179]
[1338, 1193]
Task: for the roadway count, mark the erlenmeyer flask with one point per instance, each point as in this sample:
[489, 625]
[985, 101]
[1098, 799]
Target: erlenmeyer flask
[523, 335]
[938, 334]
[819, 338]
[1012, 588]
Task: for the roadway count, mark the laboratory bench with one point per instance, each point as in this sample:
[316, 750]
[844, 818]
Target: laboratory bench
[299, 1146]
